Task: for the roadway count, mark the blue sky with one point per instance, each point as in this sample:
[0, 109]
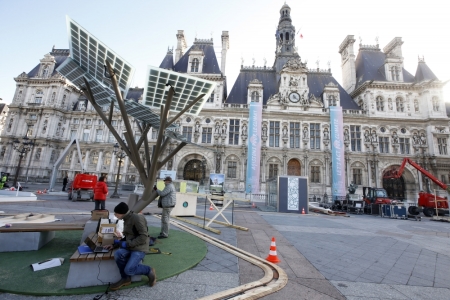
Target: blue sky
[141, 31]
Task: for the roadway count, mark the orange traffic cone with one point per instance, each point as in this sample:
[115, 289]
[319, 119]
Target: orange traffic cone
[273, 258]
[211, 207]
[253, 205]
[303, 211]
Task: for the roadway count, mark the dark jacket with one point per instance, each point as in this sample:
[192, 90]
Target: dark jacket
[65, 180]
[168, 196]
[100, 190]
[135, 231]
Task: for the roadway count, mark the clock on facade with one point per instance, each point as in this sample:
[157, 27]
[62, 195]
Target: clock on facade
[294, 97]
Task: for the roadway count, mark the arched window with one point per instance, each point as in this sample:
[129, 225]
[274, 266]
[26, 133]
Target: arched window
[255, 96]
[287, 36]
[436, 105]
[194, 65]
[399, 104]
[93, 157]
[107, 159]
[380, 103]
[38, 97]
[281, 37]
[63, 102]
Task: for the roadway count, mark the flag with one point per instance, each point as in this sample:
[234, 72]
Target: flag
[301, 35]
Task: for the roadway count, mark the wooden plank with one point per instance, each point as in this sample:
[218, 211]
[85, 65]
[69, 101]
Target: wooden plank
[198, 225]
[223, 223]
[75, 256]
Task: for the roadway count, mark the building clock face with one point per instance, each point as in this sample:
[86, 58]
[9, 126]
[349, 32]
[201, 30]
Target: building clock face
[294, 97]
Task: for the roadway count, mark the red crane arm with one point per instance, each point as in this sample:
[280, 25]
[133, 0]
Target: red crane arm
[421, 170]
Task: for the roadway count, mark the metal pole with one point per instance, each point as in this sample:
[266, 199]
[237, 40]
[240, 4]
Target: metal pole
[18, 168]
[115, 194]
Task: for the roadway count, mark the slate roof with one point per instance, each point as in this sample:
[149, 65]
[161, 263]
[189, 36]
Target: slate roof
[167, 62]
[424, 73]
[210, 64]
[238, 93]
[370, 66]
[60, 56]
[316, 85]
[134, 93]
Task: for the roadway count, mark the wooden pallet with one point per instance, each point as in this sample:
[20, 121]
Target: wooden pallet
[41, 227]
[440, 218]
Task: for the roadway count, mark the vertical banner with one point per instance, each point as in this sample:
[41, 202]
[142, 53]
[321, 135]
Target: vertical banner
[337, 151]
[254, 148]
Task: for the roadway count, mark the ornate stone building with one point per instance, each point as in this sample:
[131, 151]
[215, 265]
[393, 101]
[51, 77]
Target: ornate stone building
[388, 114]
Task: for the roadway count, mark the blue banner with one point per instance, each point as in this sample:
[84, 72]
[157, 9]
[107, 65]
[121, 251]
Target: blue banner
[254, 148]
[337, 152]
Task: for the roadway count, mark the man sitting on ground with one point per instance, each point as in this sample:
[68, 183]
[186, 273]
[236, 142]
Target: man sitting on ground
[132, 247]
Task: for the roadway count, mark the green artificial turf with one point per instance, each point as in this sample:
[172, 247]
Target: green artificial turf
[17, 276]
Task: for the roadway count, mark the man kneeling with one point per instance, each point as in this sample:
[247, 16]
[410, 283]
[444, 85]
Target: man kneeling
[132, 247]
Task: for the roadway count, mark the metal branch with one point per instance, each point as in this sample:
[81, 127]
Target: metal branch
[172, 154]
[130, 141]
[185, 109]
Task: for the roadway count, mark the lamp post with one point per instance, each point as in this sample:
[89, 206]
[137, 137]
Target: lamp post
[22, 147]
[120, 156]
[203, 164]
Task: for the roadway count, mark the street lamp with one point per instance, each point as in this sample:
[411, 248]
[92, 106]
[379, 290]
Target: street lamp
[120, 156]
[22, 147]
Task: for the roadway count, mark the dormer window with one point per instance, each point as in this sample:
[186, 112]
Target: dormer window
[194, 65]
[395, 73]
[255, 96]
[436, 105]
[211, 98]
[399, 104]
[331, 101]
[38, 97]
[45, 72]
[380, 103]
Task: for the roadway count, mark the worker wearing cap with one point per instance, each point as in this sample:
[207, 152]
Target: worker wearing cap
[168, 199]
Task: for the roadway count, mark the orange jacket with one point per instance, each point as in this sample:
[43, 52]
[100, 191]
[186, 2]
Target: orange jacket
[100, 190]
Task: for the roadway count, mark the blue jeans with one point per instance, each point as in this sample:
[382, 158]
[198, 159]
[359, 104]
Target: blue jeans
[129, 263]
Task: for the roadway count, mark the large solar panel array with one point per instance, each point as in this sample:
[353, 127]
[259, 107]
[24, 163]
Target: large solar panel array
[90, 53]
[187, 88]
[87, 57]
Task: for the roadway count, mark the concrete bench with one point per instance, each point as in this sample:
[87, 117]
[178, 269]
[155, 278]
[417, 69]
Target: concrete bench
[29, 237]
[94, 269]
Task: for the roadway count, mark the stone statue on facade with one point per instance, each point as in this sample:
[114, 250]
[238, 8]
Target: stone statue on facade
[305, 132]
[346, 135]
[285, 131]
[326, 134]
[395, 138]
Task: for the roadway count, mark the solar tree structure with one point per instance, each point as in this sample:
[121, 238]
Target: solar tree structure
[104, 77]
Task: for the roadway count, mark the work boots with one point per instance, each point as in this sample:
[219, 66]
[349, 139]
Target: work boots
[151, 277]
[122, 282]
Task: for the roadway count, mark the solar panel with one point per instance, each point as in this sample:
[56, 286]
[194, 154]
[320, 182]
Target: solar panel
[73, 72]
[186, 87]
[90, 54]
